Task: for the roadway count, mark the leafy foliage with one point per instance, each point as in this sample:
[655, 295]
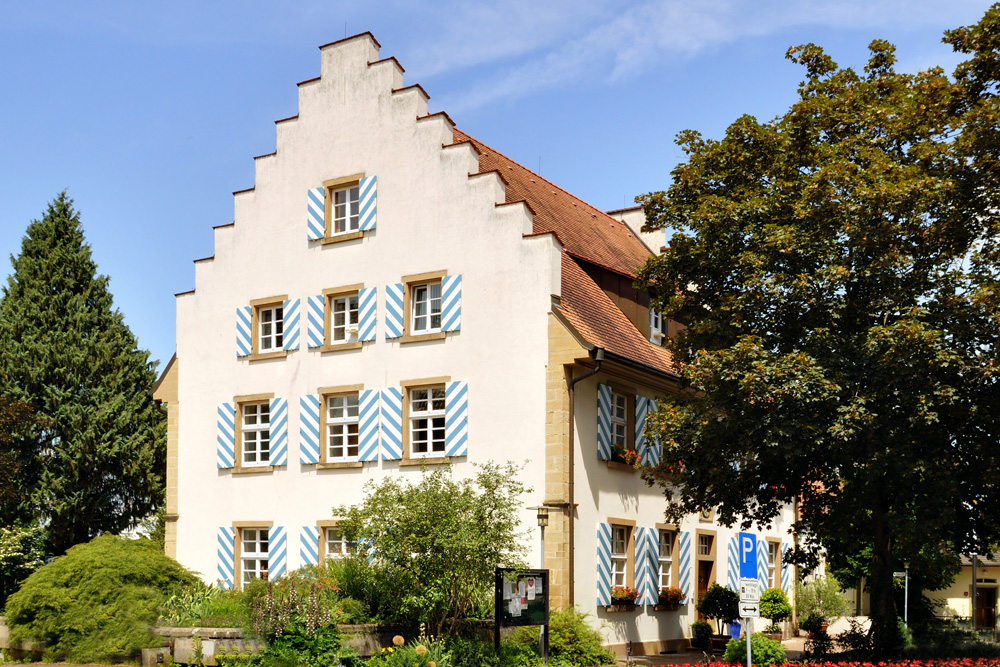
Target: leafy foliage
[20, 555]
[763, 651]
[821, 597]
[95, 459]
[572, 640]
[440, 539]
[774, 606]
[98, 602]
[207, 606]
[837, 271]
[719, 603]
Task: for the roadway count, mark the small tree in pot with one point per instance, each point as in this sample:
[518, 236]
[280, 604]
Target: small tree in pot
[774, 606]
[721, 604]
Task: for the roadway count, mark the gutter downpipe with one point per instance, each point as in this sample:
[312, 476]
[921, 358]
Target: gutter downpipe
[597, 354]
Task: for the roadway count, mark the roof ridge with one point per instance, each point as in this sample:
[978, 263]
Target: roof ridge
[563, 190]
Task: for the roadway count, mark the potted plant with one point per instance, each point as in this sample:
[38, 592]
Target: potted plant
[701, 633]
[723, 605]
[623, 597]
[814, 624]
[670, 598]
[629, 457]
[774, 606]
[820, 597]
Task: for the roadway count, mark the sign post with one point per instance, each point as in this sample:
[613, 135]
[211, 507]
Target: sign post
[749, 586]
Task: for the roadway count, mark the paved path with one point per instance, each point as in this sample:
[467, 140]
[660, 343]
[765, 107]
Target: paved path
[793, 651]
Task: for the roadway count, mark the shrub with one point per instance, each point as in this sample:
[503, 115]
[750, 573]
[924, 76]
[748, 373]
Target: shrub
[821, 596]
[207, 606]
[701, 632]
[98, 602]
[720, 603]
[774, 606]
[763, 651]
[572, 641]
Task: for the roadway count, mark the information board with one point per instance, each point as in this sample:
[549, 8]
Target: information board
[521, 598]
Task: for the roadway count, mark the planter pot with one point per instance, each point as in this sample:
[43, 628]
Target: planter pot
[774, 636]
[718, 643]
[620, 606]
[699, 643]
[666, 606]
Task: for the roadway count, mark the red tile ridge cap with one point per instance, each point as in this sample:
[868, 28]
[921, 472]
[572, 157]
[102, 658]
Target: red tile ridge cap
[271, 154]
[228, 224]
[623, 210]
[204, 259]
[439, 113]
[239, 192]
[492, 171]
[282, 120]
[464, 141]
[551, 231]
[516, 201]
[385, 60]
[411, 87]
[190, 291]
[308, 81]
[347, 39]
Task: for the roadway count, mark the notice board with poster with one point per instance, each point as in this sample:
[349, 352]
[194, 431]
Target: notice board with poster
[522, 598]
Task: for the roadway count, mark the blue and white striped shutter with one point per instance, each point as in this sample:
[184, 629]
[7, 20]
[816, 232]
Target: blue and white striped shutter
[225, 548]
[392, 424]
[366, 196]
[786, 569]
[394, 310]
[762, 563]
[368, 420]
[684, 564]
[647, 564]
[733, 564]
[315, 316]
[309, 545]
[279, 431]
[603, 563]
[456, 424]
[290, 315]
[366, 314]
[604, 422]
[367, 547]
[243, 325]
[316, 221]
[277, 551]
[654, 449]
[225, 452]
[451, 303]
[640, 427]
[309, 429]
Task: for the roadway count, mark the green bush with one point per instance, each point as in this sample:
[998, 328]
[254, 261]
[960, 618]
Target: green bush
[720, 603]
[821, 596]
[205, 606]
[572, 641]
[774, 606]
[763, 651]
[701, 632]
[98, 602]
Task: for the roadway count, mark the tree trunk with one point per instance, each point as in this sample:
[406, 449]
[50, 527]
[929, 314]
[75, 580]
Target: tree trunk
[885, 631]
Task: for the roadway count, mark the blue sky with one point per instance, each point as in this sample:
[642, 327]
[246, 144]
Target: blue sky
[149, 114]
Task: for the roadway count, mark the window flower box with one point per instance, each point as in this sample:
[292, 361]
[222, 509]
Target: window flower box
[623, 596]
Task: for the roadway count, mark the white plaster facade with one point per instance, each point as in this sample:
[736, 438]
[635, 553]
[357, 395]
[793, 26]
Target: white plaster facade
[436, 211]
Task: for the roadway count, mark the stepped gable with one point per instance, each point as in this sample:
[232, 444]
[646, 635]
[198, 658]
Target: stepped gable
[596, 317]
[583, 230]
[590, 235]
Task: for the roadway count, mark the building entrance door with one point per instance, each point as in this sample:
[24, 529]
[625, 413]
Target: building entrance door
[704, 579]
[986, 609]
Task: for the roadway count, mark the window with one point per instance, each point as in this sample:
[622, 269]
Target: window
[704, 545]
[427, 418]
[425, 303]
[342, 428]
[619, 555]
[772, 563]
[344, 318]
[254, 548]
[270, 328]
[619, 420]
[255, 434]
[345, 210]
[657, 327]
[666, 557]
[337, 546]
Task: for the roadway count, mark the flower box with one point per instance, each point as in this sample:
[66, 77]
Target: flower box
[617, 607]
[666, 606]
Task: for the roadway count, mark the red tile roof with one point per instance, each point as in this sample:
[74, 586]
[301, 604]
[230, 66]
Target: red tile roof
[586, 234]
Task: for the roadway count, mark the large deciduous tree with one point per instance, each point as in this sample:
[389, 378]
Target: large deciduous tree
[95, 460]
[837, 270]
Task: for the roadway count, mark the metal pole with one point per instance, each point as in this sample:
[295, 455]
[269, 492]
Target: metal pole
[906, 596]
[975, 628]
[746, 631]
[543, 631]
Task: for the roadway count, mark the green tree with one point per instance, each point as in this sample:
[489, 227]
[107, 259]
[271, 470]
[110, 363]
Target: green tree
[441, 538]
[96, 462]
[16, 420]
[837, 270]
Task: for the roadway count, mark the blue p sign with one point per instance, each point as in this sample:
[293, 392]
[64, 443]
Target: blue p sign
[747, 545]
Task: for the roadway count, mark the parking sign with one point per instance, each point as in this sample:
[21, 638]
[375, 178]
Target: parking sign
[747, 544]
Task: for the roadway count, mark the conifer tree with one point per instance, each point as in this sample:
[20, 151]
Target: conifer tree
[94, 462]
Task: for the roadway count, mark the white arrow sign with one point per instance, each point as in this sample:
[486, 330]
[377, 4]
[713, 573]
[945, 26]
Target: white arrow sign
[749, 610]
